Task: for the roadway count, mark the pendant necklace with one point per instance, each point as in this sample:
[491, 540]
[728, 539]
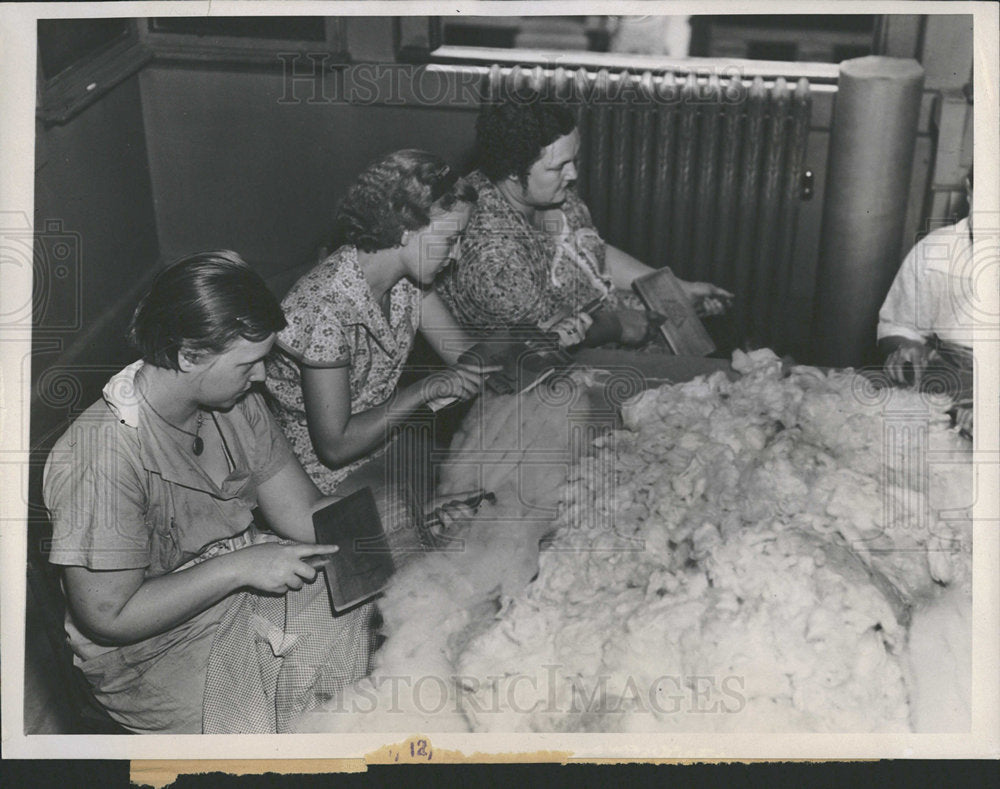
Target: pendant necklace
[198, 445]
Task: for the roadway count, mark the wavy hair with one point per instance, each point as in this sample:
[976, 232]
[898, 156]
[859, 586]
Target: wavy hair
[395, 194]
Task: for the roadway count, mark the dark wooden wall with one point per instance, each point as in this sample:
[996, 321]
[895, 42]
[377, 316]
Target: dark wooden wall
[93, 194]
[234, 165]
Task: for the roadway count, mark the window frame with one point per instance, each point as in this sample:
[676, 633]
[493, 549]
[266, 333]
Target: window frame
[191, 47]
[422, 49]
[65, 95]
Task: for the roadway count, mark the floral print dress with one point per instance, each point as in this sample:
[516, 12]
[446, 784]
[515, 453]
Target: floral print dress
[510, 272]
[334, 321]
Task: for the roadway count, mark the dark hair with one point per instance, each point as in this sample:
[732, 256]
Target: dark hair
[201, 304]
[510, 135]
[395, 194]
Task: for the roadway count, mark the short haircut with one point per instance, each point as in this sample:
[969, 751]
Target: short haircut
[202, 304]
[398, 193]
[511, 134]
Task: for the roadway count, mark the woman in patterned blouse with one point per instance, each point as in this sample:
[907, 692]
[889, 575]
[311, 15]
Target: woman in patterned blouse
[353, 318]
[530, 253]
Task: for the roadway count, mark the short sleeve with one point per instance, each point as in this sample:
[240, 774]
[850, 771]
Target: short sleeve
[315, 334]
[93, 487]
[907, 298]
[271, 450]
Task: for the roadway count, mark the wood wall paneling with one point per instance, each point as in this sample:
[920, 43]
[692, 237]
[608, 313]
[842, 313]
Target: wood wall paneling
[94, 187]
[242, 160]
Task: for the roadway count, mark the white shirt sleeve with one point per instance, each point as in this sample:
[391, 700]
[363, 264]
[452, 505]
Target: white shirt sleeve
[899, 314]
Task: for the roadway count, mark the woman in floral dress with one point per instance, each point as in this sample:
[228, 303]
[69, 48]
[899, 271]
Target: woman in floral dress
[353, 318]
[531, 254]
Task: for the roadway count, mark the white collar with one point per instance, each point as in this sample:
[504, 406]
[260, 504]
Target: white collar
[121, 395]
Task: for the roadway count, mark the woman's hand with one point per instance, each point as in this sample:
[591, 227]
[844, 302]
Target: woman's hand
[963, 420]
[462, 382]
[916, 354]
[572, 329]
[447, 511]
[276, 568]
[706, 298]
[443, 519]
[635, 327]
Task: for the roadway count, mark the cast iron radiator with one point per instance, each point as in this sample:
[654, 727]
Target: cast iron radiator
[700, 173]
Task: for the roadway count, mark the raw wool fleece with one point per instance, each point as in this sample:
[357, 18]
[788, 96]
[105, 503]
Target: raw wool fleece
[740, 562]
[439, 601]
[752, 549]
